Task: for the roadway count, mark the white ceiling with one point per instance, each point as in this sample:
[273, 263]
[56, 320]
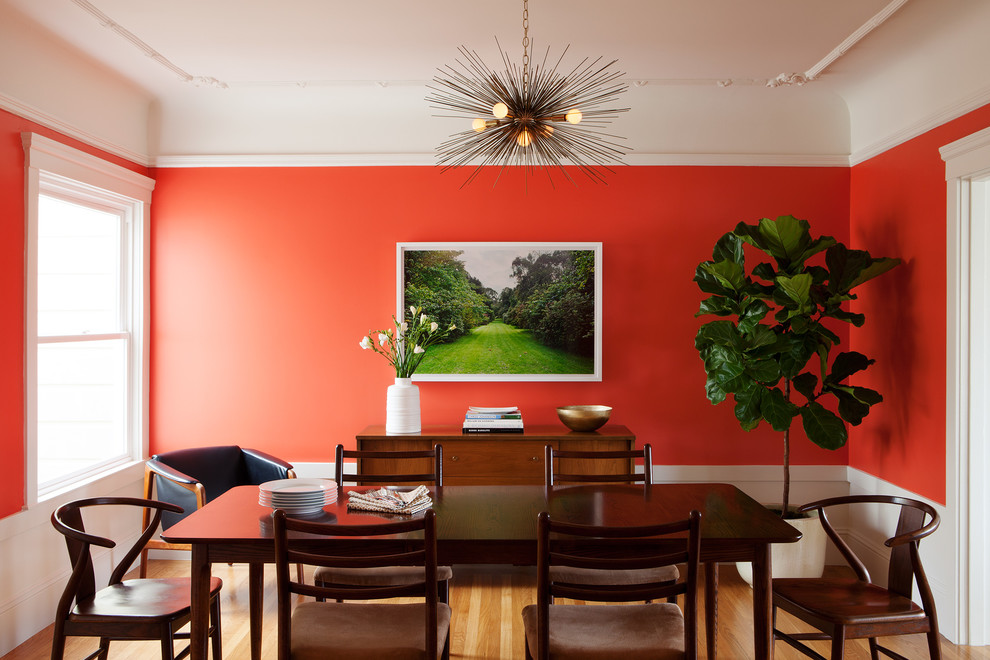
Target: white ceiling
[319, 76]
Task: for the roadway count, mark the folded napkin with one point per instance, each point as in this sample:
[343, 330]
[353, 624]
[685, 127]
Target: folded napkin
[388, 500]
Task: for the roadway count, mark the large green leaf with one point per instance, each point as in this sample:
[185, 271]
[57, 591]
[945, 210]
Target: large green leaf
[851, 409]
[752, 313]
[846, 364]
[708, 283]
[728, 247]
[850, 268]
[795, 351]
[764, 371]
[717, 306]
[728, 273]
[805, 383]
[714, 391]
[823, 427]
[785, 238]
[747, 407]
[777, 410]
[797, 288]
[723, 333]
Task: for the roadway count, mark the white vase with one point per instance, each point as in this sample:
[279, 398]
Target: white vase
[803, 559]
[402, 407]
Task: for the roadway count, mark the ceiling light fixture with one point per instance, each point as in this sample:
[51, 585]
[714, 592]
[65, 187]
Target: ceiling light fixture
[531, 117]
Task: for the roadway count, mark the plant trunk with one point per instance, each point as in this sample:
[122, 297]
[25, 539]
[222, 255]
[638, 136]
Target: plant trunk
[787, 456]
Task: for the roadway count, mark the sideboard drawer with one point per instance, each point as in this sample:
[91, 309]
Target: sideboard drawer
[493, 461]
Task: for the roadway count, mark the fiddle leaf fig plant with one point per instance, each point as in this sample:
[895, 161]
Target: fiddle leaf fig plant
[772, 339]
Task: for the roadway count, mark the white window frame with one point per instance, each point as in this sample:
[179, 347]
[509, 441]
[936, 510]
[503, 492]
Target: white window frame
[49, 163]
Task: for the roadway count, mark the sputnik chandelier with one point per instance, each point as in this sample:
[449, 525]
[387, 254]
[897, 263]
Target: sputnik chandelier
[531, 116]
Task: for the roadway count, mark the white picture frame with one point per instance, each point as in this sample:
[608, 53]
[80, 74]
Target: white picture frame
[490, 265]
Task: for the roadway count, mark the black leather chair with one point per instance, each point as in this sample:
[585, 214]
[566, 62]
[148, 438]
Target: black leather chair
[192, 477]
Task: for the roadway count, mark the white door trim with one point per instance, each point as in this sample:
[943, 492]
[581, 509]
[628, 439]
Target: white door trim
[967, 162]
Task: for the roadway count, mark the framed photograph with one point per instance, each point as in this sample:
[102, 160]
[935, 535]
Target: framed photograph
[520, 311]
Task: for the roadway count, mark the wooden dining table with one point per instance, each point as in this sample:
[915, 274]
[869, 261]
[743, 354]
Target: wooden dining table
[497, 525]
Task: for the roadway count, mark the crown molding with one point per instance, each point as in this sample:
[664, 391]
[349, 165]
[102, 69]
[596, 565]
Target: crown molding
[429, 159]
[41, 118]
[972, 102]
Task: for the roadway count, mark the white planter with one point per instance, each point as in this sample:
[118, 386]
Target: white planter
[804, 559]
[402, 407]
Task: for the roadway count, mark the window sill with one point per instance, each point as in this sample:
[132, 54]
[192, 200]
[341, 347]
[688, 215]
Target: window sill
[106, 483]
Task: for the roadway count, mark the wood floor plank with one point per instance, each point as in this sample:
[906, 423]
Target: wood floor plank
[487, 602]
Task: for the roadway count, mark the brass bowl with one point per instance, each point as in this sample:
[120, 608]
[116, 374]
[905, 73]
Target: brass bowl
[584, 418]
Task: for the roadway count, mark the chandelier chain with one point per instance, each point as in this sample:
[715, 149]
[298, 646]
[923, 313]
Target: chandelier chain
[525, 43]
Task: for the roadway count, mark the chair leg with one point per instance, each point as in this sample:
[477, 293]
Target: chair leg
[104, 648]
[215, 619]
[934, 645]
[168, 643]
[443, 592]
[143, 570]
[838, 642]
[874, 649]
[58, 642]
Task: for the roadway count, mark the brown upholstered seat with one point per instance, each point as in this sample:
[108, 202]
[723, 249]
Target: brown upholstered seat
[654, 631]
[427, 476]
[139, 609]
[856, 608]
[349, 630]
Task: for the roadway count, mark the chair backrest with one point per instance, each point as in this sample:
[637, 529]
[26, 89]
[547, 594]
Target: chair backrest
[567, 544]
[192, 477]
[68, 521]
[416, 547]
[421, 466]
[905, 566]
[557, 460]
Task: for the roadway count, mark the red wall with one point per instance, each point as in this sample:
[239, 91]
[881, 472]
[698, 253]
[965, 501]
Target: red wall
[12, 299]
[265, 280]
[898, 202]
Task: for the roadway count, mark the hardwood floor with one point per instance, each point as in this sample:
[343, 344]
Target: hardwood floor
[487, 625]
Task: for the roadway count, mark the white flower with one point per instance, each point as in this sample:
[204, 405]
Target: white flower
[422, 318]
[403, 326]
[382, 338]
[366, 343]
[412, 309]
[419, 349]
[452, 327]
[433, 327]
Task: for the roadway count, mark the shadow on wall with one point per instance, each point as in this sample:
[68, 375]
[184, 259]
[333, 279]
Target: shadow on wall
[892, 316]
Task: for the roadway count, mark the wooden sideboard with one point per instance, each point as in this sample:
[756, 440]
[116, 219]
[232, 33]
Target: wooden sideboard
[500, 458]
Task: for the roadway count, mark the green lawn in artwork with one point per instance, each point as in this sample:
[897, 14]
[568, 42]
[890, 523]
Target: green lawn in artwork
[499, 348]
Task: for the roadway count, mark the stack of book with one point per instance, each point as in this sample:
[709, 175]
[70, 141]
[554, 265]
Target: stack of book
[493, 420]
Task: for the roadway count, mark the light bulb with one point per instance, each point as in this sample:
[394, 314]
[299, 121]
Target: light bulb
[523, 139]
[478, 125]
[500, 110]
[573, 116]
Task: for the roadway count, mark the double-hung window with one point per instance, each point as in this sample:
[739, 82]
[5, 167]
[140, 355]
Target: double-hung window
[86, 353]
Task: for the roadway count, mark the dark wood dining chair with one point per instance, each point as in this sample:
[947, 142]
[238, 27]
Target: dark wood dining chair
[139, 609]
[644, 630]
[856, 608]
[557, 460]
[421, 466]
[394, 463]
[590, 459]
[322, 629]
[192, 477]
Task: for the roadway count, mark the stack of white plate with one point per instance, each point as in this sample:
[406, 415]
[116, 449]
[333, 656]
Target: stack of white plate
[298, 496]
